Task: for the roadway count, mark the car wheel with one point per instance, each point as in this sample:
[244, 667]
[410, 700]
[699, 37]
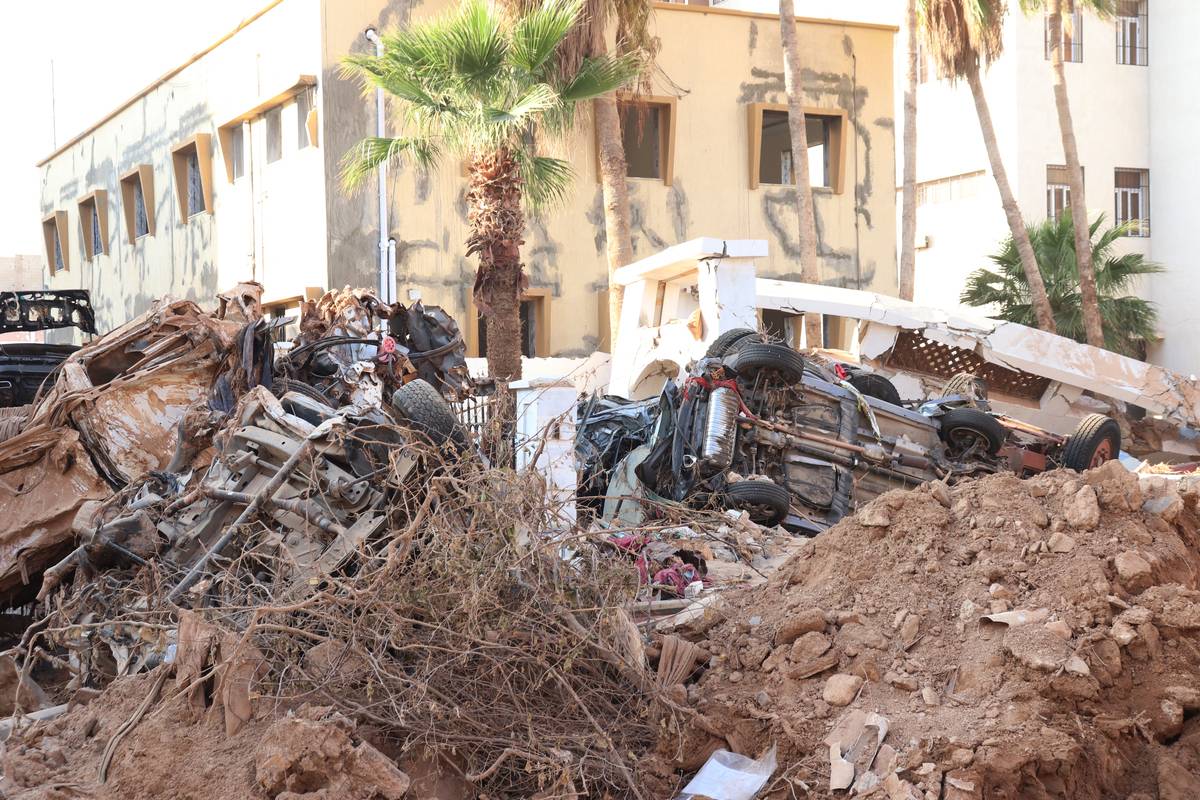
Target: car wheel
[1097, 439]
[967, 385]
[752, 359]
[281, 386]
[724, 343]
[964, 428]
[427, 411]
[766, 502]
[876, 386]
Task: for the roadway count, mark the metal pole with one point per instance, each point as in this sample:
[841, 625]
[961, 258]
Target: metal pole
[380, 131]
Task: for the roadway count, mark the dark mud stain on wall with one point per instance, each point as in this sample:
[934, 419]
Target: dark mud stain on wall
[677, 208]
[766, 87]
[595, 217]
[753, 36]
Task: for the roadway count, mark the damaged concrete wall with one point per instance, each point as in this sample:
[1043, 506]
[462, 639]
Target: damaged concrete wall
[268, 225]
[715, 63]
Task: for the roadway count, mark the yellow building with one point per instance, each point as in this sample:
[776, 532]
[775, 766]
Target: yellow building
[227, 169]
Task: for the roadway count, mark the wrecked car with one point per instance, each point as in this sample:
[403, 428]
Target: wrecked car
[757, 426]
[24, 366]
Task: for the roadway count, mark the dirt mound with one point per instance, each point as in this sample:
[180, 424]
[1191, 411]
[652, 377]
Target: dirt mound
[1018, 639]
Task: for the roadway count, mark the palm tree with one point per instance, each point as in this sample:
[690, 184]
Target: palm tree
[588, 39]
[962, 36]
[1093, 324]
[485, 88]
[1128, 319]
[810, 267]
[908, 213]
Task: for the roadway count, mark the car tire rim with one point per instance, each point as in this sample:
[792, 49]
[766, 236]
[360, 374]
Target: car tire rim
[1103, 453]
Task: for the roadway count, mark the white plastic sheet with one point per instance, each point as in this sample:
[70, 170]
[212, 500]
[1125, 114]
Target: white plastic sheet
[728, 776]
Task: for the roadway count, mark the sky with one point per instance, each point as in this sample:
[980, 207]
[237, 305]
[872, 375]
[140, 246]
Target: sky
[66, 63]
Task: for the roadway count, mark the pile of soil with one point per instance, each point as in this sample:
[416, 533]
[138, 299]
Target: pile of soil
[1092, 693]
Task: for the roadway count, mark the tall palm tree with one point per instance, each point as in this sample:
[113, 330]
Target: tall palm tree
[1087, 275]
[1128, 318]
[908, 210]
[484, 87]
[810, 267]
[962, 36]
[589, 39]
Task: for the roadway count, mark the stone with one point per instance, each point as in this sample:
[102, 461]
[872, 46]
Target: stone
[1083, 510]
[763, 699]
[1133, 571]
[1175, 781]
[821, 709]
[910, 630]
[841, 689]
[1060, 629]
[1167, 506]
[1185, 696]
[735, 677]
[1077, 666]
[856, 636]
[1167, 720]
[1061, 543]
[809, 646]
[1122, 633]
[962, 784]
[930, 697]
[875, 515]
[940, 492]
[906, 683]
[800, 623]
[961, 757]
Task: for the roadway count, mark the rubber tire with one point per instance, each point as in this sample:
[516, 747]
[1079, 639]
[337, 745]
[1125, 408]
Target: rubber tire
[427, 411]
[876, 386]
[1092, 431]
[978, 421]
[745, 493]
[281, 386]
[722, 344]
[751, 359]
[965, 383]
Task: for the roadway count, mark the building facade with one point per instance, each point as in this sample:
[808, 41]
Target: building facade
[1132, 101]
[228, 168]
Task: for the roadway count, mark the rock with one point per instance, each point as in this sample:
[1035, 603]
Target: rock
[809, 646]
[907, 683]
[735, 677]
[1077, 666]
[1060, 629]
[1167, 720]
[800, 623]
[815, 666]
[763, 699]
[961, 757]
[1175, 782]
[821, 709]
[1122, 633]
[930, 697]
[855, 636]
[899, 789]
[841, 689]
[1185, 696]
[875, 515]
[962, 785]
[910, 630]
[1083, 510]
[1167, 506]
[1133, 571]
[940, 492]
[1061, 543]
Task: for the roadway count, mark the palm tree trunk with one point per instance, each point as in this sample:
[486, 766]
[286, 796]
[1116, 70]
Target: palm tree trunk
[1089, 299]
[810, 267]
[497, 224]
[908, 214]
[1033, 275]
[616, 203]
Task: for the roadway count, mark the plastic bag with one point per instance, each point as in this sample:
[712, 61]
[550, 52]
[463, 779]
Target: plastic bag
[728, 776]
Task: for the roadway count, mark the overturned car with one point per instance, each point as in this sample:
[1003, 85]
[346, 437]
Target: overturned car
[794, 441]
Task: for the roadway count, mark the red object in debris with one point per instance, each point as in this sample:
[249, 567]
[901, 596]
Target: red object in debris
[841, 371]
[388, 346]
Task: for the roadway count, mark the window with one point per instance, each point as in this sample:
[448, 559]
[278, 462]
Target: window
[274, 134]
[924, 68]
[771, 159]
[782, 326]
[951, 189]
[54, 234]
[136, 186]
[1058, 191]
[1072, 37]
[1132, 190]
[1132, 42]
[648, 136]
[304, 107]
[237, 151]
[192, 162]
[93, 224]
[535, 325]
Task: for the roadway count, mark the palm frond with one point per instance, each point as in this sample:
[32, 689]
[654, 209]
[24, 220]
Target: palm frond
[547, 180]
[540, 31]
[475, 43]
[599, 76]
[539, 97]
[361, 161]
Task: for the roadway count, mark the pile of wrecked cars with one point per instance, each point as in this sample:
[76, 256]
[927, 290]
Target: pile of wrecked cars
[162, 440]
[802, 441]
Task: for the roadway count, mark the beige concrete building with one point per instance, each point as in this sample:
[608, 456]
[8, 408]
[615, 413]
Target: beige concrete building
[227, 169]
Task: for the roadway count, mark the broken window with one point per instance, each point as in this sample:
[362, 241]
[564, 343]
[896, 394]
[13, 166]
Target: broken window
[775, 161]
[1132, 42]
[1071, 37]
[534, 332]
[237, 151]
[304, 106]
[644, 129]
[1058, 192]
[274, 135]
[782, 326]
[1132, 200]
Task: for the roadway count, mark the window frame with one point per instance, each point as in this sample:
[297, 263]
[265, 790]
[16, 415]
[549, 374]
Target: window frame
[540, 298]
[1076, 46]
[93, 218]
[54, 225]
[141, 176]
[201, 144]
[1143, 192]
[1065, 187]
[1142, 51]
[275, 114]
[836, 143]
[225, 132]
[305, 129]
[666, 133]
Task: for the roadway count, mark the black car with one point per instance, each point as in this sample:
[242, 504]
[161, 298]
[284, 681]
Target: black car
[24, 366]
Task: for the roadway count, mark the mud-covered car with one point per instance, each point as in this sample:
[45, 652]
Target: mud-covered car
[24, 366]
[759, 427]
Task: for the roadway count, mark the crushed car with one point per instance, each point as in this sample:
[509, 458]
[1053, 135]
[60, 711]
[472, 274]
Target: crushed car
[757, 426]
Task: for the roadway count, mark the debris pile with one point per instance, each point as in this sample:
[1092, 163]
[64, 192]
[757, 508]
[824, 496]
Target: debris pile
[1001, 638]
